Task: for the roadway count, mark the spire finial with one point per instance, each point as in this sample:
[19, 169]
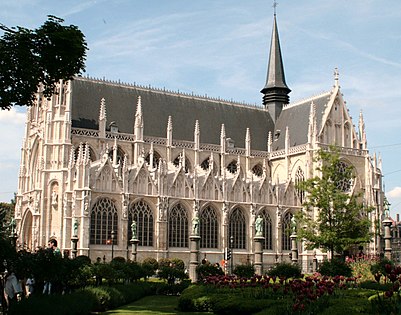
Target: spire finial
[336, 76]
[275, 6]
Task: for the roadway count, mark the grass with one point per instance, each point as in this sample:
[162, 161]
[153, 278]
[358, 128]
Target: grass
[152, 305]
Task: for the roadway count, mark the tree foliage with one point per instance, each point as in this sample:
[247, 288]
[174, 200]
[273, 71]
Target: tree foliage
[334, 218]
[45, 55]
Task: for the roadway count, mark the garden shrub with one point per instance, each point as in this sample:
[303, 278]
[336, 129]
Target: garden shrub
[286, 270]
[206, 270]
[246, 271]
[77, 303]
[374, 285]
[335, 267]
[380, 266]
[149, 266]
[235, 304]
[191, 297]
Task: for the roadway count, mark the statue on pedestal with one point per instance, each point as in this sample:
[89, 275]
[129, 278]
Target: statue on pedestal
[76, 224]
[259, 226]
[195, 225]
[133, 229]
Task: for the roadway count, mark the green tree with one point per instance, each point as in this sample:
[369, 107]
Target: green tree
[45, 55]
[334, 218]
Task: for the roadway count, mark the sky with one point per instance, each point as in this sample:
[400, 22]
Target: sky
[220, 48]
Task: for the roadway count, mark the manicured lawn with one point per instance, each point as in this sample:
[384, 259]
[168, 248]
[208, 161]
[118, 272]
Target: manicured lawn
[151, 305]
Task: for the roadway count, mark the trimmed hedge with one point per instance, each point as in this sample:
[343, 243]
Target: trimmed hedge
[84, 301]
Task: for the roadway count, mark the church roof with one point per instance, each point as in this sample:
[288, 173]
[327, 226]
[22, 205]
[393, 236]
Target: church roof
[157, 105]
[296, 117]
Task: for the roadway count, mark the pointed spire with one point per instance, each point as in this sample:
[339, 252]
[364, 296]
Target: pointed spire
[362, 132]
[197, 135]
[336, 76]
[102, 114]
[86, 154]
[248, 142]
[275, 90]
[169, 131]
[102, 119]
[71, 162]
[80, 153]
[223, 139]
[312, 123]
[269, 142]
[115, 150]
[138, 114]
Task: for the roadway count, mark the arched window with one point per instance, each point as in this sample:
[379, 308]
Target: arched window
[344, 182]
[286, 231]
[142, 214]
[209, 228]
[258, 170]
[120, 155]
[156, 158]
[104, 219]
[237, 229]
[267, 229]
[232, 167]
[299, 178]
[178, 227]
[92, 156]
[179, 160]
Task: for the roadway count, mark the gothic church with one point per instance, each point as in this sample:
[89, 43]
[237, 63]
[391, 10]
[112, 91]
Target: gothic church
[98, 155]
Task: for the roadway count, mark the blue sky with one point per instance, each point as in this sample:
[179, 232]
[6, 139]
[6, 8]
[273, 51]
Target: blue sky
[220, 48]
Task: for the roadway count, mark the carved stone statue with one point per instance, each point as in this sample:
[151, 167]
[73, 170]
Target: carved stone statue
[259, 226]
[195, 225]
[54, 198]
[76, 224]
[133, 230]
[293, 225]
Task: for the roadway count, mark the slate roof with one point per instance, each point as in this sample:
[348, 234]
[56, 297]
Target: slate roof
[121, 101]
[296, 117]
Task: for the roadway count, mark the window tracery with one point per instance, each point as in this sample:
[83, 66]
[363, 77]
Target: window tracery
[178, 227]
[209, 228]
[104, 219]
[142, 214]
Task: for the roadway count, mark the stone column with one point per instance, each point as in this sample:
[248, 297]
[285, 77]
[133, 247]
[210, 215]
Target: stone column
[134, 248]
[74, 241]
[194, 257]
[294, 248]
[387, 238]
[258, 259]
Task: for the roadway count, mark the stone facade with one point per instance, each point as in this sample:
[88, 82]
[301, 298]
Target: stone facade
[77, 167]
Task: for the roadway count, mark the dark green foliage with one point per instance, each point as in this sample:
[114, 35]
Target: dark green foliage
[246, 271]
[232, 305]
[206, 270]
[44, 55]
[78, 303]
[335, 267]
[83, 301]
[374, 285]
[380, 266]
[171, 270]
[149, 267]
[285, 270]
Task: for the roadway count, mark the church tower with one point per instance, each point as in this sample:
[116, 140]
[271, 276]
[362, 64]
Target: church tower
[275, 90]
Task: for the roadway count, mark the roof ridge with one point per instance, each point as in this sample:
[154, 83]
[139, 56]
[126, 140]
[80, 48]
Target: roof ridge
[171, 92]
[307, 99]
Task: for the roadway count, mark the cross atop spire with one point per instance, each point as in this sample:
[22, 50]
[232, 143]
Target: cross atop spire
[275, 4]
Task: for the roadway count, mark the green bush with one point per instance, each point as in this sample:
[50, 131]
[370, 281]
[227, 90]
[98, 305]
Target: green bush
[244, 271]
[235, 304]
[335, 267]
[77, 303]
[380, 266]
[149, 266]
[286, 270]
[207, 270]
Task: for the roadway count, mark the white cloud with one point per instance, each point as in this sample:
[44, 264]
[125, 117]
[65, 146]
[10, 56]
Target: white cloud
[394, 193]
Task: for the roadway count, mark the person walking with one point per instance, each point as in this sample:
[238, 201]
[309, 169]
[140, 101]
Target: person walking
[12, 289]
